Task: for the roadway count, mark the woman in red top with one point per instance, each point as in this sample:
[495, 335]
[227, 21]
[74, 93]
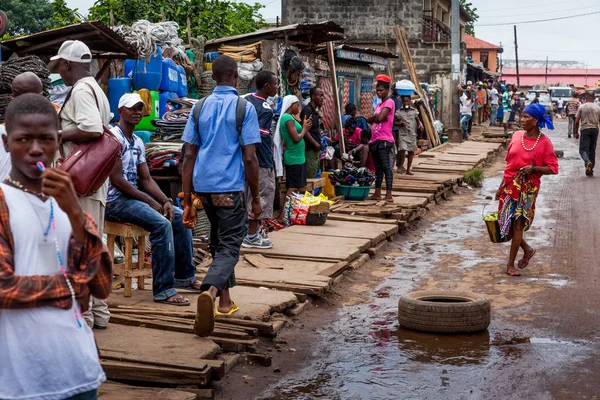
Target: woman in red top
[530, 155]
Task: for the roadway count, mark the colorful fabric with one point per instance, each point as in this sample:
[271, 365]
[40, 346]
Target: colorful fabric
[538, 112]
[90, 271]
[517, 200]
[506, 102]
[383, 130]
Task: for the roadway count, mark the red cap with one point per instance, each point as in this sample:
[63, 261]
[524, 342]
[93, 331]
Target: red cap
[383, 78]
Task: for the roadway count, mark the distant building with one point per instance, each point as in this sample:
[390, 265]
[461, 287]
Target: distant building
[529, 77]
[483, 53]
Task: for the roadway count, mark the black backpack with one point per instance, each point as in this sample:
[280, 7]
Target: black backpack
[240, 114]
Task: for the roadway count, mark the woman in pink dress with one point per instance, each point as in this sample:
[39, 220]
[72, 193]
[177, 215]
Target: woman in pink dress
[530, 155]
[382, 140]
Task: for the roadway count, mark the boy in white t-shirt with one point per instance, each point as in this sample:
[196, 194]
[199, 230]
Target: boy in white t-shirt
[51, 260]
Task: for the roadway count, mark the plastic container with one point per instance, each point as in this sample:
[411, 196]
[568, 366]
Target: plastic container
[182, 87]
[144, 135]
[145, 75]
[163, 98]
[493, 226]
[402, 92]
[146, 122]
[316, 219]
[170, 76]
[358, 193]
[117, 87]
[328, 189]
[211, 56]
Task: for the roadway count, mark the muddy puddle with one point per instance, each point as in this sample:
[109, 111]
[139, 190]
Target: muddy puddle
[365, 354]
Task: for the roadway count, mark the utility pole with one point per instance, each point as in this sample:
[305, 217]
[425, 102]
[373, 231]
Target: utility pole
[546, 80]
[455, 134]
[517, 57]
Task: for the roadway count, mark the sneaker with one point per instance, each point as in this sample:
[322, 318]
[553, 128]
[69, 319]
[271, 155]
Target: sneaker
[256, 242]
[263, 235]
[588, 169]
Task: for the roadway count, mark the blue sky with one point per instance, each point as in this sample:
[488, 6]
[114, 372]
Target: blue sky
[568, 39]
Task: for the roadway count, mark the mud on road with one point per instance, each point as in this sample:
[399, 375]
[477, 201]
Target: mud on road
[544, 340]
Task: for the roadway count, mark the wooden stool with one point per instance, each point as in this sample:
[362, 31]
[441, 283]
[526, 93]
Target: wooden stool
[128, 270]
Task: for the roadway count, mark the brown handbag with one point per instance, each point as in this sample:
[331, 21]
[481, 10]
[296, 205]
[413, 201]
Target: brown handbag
[90, 164]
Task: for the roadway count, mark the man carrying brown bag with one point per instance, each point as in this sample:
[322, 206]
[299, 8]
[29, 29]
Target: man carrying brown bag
[82, 118]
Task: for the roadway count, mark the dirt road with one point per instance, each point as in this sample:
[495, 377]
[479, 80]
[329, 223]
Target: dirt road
[544, 340]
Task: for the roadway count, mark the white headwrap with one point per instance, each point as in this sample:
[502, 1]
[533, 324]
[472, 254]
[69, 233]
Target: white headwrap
[277, 141]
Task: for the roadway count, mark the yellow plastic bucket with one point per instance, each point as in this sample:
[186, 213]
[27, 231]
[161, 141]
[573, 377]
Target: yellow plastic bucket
[328, 189]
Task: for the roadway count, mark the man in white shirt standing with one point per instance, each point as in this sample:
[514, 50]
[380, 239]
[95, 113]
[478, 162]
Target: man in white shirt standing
[84, 112]
[494, 101]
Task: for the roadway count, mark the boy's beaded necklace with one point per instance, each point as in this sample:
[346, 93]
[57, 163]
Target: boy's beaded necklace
[52, 224]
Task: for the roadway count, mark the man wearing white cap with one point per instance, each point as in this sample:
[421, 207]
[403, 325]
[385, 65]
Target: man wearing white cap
[147, 207]
[84, 112]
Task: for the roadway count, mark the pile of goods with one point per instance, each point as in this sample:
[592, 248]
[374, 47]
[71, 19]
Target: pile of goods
[11, 68]
[170, 127]
[349, 176]
[306, 209]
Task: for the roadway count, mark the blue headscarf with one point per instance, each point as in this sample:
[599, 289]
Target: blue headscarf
[538, 112]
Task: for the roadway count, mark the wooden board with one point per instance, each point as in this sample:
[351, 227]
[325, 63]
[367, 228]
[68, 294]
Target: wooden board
[360, 218]
[157, 345]
[303, 266]
[254, 304]
[376, 233]
[298, 245]
[116, 391]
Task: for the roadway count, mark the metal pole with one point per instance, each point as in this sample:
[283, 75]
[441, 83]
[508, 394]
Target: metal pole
[336, 96]
[517, 57]
[455, 133]
[546, 80]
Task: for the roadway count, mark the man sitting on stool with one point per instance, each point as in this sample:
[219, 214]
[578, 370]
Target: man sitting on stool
[150, 209]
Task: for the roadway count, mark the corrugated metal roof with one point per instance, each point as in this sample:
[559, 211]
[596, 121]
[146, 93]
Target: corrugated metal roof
[102, 41]
[314, 33]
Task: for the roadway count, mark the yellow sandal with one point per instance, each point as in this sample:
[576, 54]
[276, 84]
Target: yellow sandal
[233, 309]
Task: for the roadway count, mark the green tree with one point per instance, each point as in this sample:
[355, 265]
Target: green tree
[63, 15]
[27, 16]
[472, 11]
[211, 18]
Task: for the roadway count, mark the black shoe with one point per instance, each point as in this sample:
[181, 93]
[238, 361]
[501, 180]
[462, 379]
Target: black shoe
[569, 136]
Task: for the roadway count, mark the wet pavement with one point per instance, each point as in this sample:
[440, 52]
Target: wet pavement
[543, 342]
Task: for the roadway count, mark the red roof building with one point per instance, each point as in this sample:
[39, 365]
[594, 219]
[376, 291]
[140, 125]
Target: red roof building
[483, 52]
[528, 77]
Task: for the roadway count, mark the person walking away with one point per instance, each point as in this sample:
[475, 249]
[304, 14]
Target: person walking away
[494, 101]
[573, 105]
[408, 124]
[560, 103]
[506, 107]
[147, 207]
[26, 82]
[84, 113]
[214, 140]
[588, 119]
[47, 350]
[266, 86]
[530, 155]
[294, 156]
[313, 139]
[397, 105]
[382, 139]
[466, 113]
[479, 102]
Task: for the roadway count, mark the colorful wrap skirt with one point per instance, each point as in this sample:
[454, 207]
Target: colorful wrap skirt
[517, 200]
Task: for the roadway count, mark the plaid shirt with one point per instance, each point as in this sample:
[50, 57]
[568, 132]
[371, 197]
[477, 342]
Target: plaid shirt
[90, 272]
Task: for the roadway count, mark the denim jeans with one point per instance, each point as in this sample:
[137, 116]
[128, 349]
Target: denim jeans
[90, 395]
[571, 125]
[228, 227]
[493, 114]
[464, 120]
[587, 145]
[172, 250]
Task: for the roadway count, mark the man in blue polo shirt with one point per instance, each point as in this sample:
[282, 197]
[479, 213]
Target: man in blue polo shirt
[218, 159]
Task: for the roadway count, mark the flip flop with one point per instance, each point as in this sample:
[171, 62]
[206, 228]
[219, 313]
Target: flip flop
[204, 323]
[171, 303]
[524, 262]
[234, 308]
[513, 272]
[190, 288]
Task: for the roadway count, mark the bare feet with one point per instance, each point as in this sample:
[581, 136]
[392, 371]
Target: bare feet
[513, 272]
[409, 172]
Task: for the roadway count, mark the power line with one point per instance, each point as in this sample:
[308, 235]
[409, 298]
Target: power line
[551, 51]
[540, 20]
[538, 13]
[529, 6]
